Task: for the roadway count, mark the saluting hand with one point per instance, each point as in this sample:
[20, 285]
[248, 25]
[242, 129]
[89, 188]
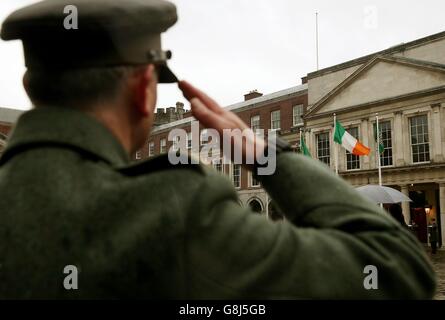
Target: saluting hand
[208, 112]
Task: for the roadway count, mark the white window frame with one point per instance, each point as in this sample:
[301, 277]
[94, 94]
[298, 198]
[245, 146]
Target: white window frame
[296, 115]
[347, 153]
[251, 178]
[410, 138]
[151, 149]
[163, 145]
[253, 123]
[138, 155]
[175, 145]
[220, 162]
[233, 175]
[382, 158]
[189, 140]
[328, 148]
[204, 137]
[272, 121]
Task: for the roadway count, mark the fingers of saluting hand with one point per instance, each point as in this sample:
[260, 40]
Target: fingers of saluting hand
[208, 117]
[191, 92]
[207, 110]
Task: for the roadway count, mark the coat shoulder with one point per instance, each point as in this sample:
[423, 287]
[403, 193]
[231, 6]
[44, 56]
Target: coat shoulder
[158, 164]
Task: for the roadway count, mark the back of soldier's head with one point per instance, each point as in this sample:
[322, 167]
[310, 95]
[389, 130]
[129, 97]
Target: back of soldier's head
[80, 52]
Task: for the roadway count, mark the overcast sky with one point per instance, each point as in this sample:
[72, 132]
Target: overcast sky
[229, 47]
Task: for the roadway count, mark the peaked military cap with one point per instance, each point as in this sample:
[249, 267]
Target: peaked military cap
[67, 34]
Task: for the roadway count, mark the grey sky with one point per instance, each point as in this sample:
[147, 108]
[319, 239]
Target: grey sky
[229, 47]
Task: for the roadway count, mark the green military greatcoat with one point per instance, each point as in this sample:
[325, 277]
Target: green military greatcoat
[70, 197]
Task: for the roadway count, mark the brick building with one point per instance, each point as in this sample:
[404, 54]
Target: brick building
[281, 111]
[7, 119]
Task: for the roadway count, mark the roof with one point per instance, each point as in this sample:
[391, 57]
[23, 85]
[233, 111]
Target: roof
[364, 68]
[9, 115]
[392, 50]
[244, 105]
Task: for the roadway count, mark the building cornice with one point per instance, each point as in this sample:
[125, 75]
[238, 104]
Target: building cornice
[407, 168]
[393, 50]
[10, 116]
[376, 103]
[356, 74]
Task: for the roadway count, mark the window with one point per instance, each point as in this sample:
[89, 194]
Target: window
[163, 146]
[151, 149]
[236, 175]
[352, 161]
[386, 137]
[217, 164]
[254, 182]
[256, 206]
[324, 148]
[138, 155]
[255, 123]
[176, 143]
[204, 137]
[419, 139]
[298, 115]
[275, 122]
[189, 140]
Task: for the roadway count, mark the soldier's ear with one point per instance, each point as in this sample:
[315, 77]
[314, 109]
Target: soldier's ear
[25, 81]
[145, 90]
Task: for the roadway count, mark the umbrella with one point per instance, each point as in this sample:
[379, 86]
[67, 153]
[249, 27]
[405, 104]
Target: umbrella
[381, 194]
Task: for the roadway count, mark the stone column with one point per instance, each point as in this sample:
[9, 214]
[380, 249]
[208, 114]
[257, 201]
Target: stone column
[405, 205]
[442, 210]
[436, 141]
[398, 152]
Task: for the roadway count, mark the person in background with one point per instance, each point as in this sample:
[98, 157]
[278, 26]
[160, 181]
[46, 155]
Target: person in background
[433, 236]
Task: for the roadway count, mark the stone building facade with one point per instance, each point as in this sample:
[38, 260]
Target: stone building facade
[405, 87]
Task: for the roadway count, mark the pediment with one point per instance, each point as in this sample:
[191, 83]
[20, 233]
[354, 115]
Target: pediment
[380, 79]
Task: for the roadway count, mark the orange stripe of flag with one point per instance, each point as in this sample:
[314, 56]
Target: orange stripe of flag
[361, 150]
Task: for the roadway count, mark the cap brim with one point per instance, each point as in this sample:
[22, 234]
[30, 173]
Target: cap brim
[166, 75]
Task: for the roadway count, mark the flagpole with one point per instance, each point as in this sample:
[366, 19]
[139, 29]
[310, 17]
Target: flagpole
[316, 36]
[335, 146]
[301, 140]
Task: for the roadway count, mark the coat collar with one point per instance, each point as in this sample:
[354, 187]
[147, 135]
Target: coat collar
[65, 128]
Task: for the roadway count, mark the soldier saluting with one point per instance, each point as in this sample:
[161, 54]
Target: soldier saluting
[154, 230]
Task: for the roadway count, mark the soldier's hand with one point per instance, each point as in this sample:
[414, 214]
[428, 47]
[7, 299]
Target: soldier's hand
[208, 112]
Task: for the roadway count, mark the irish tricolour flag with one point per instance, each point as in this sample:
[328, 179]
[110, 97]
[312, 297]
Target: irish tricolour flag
[341, 136]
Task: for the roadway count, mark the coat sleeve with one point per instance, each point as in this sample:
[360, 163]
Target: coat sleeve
[320, 251]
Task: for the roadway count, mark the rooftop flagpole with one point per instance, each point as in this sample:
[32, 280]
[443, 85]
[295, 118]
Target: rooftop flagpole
[316, 37]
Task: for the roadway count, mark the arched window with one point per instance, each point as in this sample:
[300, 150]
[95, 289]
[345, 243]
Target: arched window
[256, 206]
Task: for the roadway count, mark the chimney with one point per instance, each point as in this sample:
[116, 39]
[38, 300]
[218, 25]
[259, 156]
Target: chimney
[179, 106]
[252, 95]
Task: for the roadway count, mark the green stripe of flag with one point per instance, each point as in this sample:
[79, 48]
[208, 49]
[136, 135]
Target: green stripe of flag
[304, 149]
[339, 132]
